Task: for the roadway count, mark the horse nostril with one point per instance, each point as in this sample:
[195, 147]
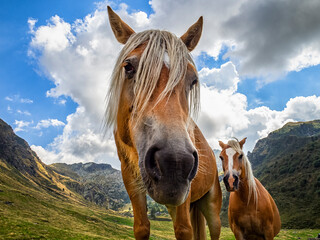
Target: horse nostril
[194, 169]
[151, 164]
[225, 180]
[236, 181]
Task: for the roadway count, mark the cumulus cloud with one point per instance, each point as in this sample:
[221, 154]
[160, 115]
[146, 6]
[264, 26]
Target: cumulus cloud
[265, 39]
[56, 36]
[225, 114]
[274, 36]
[23, 112]
[80, 141]
[21, 125]
[79, 64]
[49, 123]
[225, 78]
[78, 58]
[18, 99]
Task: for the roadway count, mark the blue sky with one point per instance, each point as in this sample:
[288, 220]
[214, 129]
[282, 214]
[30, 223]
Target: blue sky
[268, 80]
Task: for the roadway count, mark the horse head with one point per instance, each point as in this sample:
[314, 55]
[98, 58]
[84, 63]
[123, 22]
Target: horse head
[154, 89]
[232, 158]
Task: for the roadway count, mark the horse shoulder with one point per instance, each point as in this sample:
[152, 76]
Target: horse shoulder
[269, 208]
[126, 153]
[207, 175]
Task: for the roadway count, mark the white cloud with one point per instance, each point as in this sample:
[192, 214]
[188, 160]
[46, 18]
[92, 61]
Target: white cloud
[49, 123]
[79, 142]
[78, 58]
[62, 102]
[224, 114]
[225, 78]
[79, 61]
[17, 98]
[23, 112]
[56, 36]
[21, 125]
[46, 156]
[274, 37]
[26, 100]
[266, 39]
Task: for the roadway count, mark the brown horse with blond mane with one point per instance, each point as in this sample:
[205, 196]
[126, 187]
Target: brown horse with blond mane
[154, 91]
[252, 212]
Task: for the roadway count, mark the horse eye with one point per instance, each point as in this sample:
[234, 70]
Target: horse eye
[129, 69]
[221, 158]
[241, 155]
[194, 82]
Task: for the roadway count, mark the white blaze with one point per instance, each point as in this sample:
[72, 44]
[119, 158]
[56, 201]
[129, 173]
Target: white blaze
[230, 153]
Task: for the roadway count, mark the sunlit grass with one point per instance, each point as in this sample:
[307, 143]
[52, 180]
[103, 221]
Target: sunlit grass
[29, 214]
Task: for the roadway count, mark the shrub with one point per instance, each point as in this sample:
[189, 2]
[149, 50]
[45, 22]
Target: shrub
[316, 163]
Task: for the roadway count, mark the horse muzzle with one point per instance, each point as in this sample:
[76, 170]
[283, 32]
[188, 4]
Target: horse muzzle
[231, 182]
[169, 170]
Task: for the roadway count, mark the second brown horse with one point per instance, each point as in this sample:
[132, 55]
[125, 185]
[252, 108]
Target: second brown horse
[252, 212]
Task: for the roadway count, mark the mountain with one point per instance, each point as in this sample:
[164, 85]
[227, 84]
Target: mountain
[98, 183]
[284, 140]
[287, 162]
[37, 202]
[20, 165]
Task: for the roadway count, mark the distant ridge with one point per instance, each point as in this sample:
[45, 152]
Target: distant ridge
[19, 163]
[286, 139]
[98, 183]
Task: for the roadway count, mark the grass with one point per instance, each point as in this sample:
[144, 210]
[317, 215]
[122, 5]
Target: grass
[28, 217]
[31, 213]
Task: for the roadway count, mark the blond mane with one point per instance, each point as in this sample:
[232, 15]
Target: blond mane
[157, 44]
[235, 145]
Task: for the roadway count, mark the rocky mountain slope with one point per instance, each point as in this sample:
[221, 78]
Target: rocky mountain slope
[20, 165]
[98, 183]
[286, 139]
[287, 162]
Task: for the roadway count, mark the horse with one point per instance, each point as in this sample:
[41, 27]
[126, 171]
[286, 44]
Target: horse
[252, 211]
[152, 98]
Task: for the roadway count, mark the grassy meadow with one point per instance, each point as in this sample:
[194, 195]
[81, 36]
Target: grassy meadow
[29, 214]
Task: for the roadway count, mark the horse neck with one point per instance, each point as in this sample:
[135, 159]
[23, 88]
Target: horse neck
[243, 191]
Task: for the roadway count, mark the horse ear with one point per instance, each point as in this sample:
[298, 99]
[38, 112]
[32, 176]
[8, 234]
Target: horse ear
[222, 145]
[192, 36]
[242, 142]
[121, 30]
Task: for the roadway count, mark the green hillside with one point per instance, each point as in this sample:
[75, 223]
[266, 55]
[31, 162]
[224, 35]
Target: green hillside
[37, 203]
[287, 163]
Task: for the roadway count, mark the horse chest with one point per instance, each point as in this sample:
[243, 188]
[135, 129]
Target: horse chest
[247, 219]
[250, 224]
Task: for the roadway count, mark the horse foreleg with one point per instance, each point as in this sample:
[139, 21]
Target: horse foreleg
[237, 232]
[269, 233]
[141, 225]
[181, 220]
[210, 205]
